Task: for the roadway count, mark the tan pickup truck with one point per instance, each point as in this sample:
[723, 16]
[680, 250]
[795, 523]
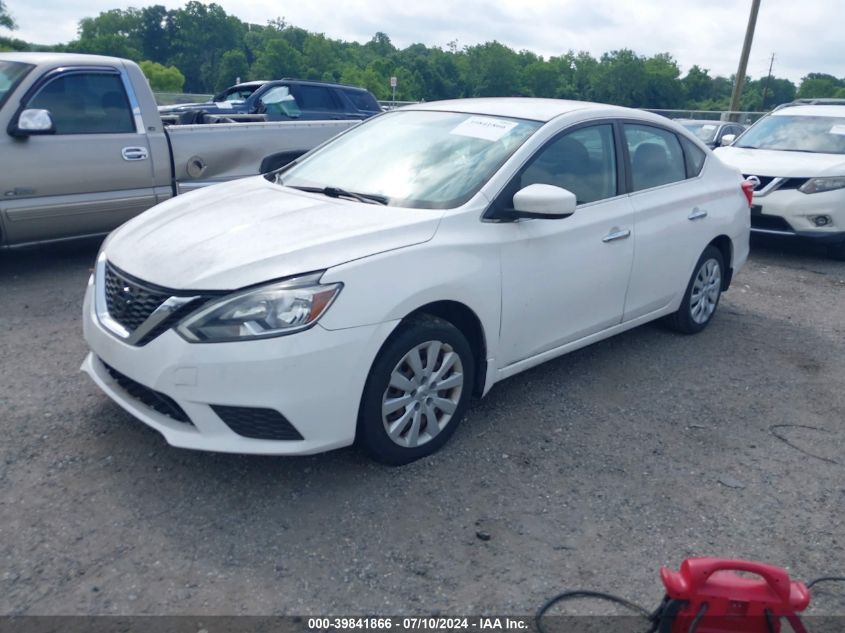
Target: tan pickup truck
[83, 148]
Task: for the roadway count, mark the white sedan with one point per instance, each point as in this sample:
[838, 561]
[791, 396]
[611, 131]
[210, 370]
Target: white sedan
[369, 290]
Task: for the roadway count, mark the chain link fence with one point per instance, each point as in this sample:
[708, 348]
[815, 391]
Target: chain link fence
[173, 98]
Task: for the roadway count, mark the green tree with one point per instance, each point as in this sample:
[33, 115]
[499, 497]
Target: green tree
[6, 20]
[163, 78]
[620, 78]
[233, 66]
[198, 35]
[698, 84]
[820, 85]
[276, 60]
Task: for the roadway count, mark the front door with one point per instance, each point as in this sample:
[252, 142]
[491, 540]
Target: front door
[565, 279]
[89, 177]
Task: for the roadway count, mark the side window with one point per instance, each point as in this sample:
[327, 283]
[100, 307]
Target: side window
[362, 100]
[315, 98]
[279, 100]
[655, 156]
[694, 157]
[86, 103]
[583, 161]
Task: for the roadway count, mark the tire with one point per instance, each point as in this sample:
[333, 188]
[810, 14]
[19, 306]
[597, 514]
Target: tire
[699, 305]
[395, 423]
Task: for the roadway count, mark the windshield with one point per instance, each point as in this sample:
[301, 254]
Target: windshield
[10, 74]
[434, 160]
[816, 134]
[704, 131]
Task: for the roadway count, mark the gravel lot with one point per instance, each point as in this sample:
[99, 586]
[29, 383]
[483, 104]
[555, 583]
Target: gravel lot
[590, 472]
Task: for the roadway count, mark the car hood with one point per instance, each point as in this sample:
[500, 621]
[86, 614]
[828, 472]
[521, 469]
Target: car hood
[242, 233]
[767, 162]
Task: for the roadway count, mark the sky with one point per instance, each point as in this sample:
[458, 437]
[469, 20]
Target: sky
[804, 36]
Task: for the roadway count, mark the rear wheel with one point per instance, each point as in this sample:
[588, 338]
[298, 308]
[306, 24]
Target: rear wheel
[417, 391]
[702, 295]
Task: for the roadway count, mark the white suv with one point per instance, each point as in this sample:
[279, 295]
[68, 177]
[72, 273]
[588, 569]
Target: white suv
[795, 157]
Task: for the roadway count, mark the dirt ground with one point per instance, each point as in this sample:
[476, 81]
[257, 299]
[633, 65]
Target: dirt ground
[588, 472]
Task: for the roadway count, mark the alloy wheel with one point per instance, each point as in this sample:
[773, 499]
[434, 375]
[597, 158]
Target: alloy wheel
[423, 393]
[705, 291]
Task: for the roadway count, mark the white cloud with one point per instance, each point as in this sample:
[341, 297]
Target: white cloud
[804, 36]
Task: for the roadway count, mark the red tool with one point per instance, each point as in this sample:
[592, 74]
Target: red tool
[708, 596]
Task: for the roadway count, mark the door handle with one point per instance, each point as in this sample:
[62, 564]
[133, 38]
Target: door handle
[134, 153]
[616, 234]
[697, 214]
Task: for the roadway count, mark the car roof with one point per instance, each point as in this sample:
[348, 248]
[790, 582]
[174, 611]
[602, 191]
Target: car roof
[705, 121]
[811, 110]
[528, 108]
[59, 59]
[249, 84]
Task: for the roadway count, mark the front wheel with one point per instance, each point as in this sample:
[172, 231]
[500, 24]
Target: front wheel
[702, 295]
[417, 391]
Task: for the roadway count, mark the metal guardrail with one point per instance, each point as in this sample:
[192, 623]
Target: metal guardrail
[172, 98]
[711, 115]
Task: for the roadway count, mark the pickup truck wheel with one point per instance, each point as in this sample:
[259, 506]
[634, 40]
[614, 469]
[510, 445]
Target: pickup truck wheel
[702, 295]
[417, 391]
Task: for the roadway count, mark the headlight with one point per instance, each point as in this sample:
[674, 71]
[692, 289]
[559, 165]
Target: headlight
[273, 310]
[819, 185]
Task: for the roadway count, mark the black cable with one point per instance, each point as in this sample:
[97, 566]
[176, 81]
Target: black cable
[825, 579]
[569, 595]
[693, 627]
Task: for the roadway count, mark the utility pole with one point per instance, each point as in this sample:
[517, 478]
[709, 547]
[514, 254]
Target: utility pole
[743, 60]
[768, 79]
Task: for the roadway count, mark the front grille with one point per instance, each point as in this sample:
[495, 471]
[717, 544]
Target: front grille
[155, 400]
[260, 424]
[786, 183]
[129, 302]
[765, 181]
[770, 223]
[172, 319]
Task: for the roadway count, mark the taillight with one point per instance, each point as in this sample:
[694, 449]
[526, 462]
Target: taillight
[748, 190]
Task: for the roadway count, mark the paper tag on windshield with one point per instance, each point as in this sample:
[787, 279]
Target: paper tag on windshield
[708, 127]
[838, 129]
[223, 105]
[486, 128]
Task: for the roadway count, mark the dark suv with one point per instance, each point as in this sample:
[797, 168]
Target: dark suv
[286, 99]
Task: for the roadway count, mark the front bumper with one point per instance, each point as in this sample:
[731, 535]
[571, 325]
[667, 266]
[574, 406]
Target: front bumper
[313, 378]
[788, 212]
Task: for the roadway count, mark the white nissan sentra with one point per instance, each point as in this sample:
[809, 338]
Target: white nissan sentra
[369, 290]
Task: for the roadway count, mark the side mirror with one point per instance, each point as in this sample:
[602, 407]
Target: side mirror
[543, 202]
[728, 139]
[31, 122]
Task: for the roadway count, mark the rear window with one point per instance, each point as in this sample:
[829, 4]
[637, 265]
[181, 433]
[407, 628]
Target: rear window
[693, 157]
[314, 98]
[362, 100]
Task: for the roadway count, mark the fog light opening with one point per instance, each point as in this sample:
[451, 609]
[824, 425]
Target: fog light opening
[822, 220]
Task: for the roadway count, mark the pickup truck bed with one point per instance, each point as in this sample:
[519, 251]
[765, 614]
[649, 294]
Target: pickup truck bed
[102, 153]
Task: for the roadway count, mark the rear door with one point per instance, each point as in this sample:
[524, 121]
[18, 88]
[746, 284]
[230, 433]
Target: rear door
[93, 174]
[671, 208]
[317, 102]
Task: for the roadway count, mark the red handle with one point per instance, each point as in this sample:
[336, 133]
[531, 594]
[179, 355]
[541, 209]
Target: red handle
[697, 572]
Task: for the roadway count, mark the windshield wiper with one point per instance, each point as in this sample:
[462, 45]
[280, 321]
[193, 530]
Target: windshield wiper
[337, 192]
